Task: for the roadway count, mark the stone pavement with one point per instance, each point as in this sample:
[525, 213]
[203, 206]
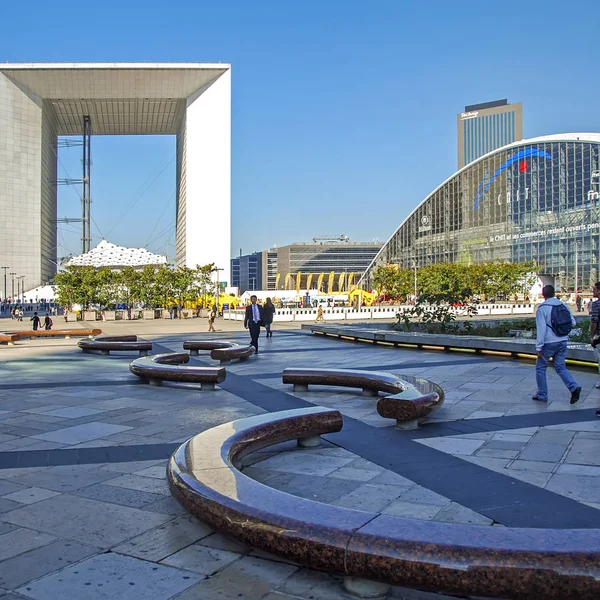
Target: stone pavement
[85, 511]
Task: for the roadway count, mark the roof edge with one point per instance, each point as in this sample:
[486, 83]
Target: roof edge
[112, 65]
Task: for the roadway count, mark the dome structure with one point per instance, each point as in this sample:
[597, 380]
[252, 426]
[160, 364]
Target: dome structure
[110, 255]
[537, 199]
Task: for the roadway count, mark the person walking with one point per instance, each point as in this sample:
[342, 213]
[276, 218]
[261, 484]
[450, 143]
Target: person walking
[36, 321]
[553, 322]
[47, 322]
[211, 318]
[268, 313]
[320, 316]
[594, 331]
[253, 319]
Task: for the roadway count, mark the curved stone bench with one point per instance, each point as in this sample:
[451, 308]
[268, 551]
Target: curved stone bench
[116, 343]
[9, 338]
[371, 382]
[66, 333]
[172, 367]
[224, 355]
[473, 560]
[413, 406]
[195, 345]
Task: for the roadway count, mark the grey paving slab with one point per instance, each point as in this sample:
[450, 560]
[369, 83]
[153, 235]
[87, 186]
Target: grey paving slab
[94, 579]
[40, 561]
[142, 484]
[201, 559]
[118, 495]
[73, 412]
[249, 578]
[584, 452]
[370, 496]
[543, 452]
[100, 524]
[165, 540]
[30, 495]
[66, 478]
[82, 433]
[579, 487]
[224, 542]
[22, 540]
[304, 464]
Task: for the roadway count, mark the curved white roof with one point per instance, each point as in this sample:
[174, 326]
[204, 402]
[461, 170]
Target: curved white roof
[106, 254]
[556, 137]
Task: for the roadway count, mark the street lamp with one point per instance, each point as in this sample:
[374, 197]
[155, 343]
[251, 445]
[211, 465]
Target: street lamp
[218, 288]
[22, 288]
[5, 269]
[12, 295]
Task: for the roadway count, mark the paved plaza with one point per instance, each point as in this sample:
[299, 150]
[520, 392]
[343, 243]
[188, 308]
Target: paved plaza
[86, 513]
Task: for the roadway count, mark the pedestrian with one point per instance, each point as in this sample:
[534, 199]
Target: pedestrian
[578, 302]
[268, 313]
[20, 314]
[211, 318]
[594, 330]
[320, 316]
[553, 321]
[47, 322]
[36, 321]
[253, 320]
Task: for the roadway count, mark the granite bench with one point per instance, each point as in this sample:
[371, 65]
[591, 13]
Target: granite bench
[116, 343]
[195, 345]
[172, 367]
[367, 547]
[224, 355]
[66, 333]
[8, 338]
[371, 382]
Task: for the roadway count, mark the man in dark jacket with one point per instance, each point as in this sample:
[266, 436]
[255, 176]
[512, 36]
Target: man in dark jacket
[253, 320]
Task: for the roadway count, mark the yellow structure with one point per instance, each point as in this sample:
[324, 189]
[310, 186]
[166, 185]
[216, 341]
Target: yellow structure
[330, 282]
[288, 278]
[309, 281]
[277, 281]
[320, 282]
[298, 281]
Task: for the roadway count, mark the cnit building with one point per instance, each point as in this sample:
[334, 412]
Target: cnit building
[41, 102]
[535, 199]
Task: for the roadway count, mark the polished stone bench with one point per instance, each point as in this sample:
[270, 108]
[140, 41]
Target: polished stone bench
[371, 549]
[194, 346]
[225, 355]
[172, 367]
[66, 333]
[9, 338]
[371, 382]
[116, 343]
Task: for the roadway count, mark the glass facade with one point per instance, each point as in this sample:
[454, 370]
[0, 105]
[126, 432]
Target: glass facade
[338, 258]
[486, 133]
[536, 200]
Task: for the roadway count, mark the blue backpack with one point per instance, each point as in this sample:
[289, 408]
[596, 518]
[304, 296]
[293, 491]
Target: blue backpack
[560, 320]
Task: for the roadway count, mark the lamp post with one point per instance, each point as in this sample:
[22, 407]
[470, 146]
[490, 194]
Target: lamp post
[19, 289]
[22, 288]
[12, 295]
[5, 269]
[218, 288]
[415, 267]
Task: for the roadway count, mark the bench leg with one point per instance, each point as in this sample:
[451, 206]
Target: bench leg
[370, 393]
[193, 352]
[300, 387]
[365, 588]
[311, 441]
[105, 352]
[156, 382]
[208, 386]
[407, 425]
[143, 352]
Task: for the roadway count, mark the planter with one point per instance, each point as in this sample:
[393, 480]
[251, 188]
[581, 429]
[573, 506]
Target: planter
[120, 315]
[90, 315]
[109, 315]
[70, 317]
[148, 314]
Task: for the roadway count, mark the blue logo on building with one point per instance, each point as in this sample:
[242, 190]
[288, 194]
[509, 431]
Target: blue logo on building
[486, 182]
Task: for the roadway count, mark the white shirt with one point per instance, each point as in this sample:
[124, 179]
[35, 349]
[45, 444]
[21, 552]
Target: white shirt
[255, 313]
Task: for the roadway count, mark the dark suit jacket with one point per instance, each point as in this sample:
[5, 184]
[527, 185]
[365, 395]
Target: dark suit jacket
[248, 316]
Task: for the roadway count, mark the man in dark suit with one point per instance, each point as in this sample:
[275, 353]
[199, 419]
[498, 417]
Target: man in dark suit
[253, 320]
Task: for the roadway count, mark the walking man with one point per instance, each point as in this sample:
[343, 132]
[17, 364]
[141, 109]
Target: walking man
[36, 321]
[553, 322]
[253, 320]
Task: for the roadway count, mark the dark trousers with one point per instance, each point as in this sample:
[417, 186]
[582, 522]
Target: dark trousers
[254, 333]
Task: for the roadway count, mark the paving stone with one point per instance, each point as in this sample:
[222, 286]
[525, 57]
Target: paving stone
[224, 542]
[22, 540]
[354, 474]
[570, 469]
[412, 510]
[87, 521]
[306, 583]
[543, 452]
[453, 445]
[321, 489]
[94, 579]
[38, 562]
[165, 540]
[201, 559]
[534, 477]
[8, 487]
[305, 464]
[81, 433]
[142, 484]
[550, 436]
[30, 495]
[118, 495]
[8, 505]
[156, 472]
[166, 506]
[248, 578]
[456, 513]
[584, 452]
[423, 495]
[532, 465]
[66, 478]
[578, 487]
[371, 497]
[501, 454]
[504, 445]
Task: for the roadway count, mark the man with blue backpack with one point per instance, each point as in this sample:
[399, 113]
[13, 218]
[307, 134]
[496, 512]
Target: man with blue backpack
[553, 321]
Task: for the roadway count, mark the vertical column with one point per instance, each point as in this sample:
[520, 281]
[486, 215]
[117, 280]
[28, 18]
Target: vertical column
[208, 177]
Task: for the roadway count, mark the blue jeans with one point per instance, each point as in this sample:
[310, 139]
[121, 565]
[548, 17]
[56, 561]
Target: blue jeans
[557, 352]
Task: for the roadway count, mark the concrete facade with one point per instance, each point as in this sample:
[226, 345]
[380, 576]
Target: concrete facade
[39, 102]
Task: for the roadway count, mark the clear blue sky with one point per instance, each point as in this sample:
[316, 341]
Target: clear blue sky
[344, 111]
